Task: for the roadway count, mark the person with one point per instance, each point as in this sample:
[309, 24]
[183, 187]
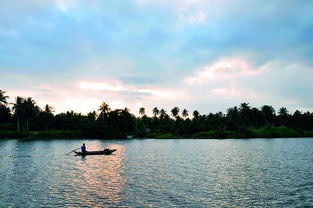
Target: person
[83, 148]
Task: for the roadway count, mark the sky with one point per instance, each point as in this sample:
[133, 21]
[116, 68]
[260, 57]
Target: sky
[205, 55]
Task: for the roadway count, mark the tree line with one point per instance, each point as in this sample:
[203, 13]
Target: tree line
[25, 118]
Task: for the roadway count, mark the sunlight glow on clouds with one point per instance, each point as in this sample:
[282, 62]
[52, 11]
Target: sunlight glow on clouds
[118, 86]
[224, 69]
[233, 91]
[108, 85]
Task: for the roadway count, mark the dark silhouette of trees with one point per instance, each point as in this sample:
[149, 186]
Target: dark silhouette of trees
[185, 113]
[175, 112]
[18, 109]
[48, 115]
[30, 111]
[163, 114]
[196, 114]
[3, 98]
[142, 111]
[155, 111]
[104, 109]
[283, 116]
[268, 113]
[241, 121]
[5, 114]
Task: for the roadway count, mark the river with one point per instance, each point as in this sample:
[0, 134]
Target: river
[158, 173]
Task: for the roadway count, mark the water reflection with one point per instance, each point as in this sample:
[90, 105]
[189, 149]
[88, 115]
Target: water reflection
[101, 181]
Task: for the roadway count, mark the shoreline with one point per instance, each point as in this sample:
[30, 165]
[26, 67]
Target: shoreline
[67, 137]
[105, 134]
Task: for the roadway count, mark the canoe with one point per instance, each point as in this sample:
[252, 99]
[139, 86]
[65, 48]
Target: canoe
[103, 152]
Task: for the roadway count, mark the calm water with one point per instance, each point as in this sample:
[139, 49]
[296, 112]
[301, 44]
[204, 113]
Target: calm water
[158, 173]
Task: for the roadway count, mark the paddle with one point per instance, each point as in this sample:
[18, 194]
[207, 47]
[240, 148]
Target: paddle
[73, 150]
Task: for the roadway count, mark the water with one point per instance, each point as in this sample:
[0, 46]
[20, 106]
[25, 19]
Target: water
[158, 173]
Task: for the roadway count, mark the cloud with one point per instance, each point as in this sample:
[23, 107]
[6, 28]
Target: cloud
[223, 70]
[110, 85]
[141, 91]
[204, 54]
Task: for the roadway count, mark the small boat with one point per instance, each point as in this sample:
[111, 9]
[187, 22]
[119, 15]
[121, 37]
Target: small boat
[103, 152]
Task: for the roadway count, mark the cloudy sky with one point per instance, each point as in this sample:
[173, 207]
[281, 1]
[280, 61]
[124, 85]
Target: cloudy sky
[207, 55]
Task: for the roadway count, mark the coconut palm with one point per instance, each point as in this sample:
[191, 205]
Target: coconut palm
[185, 113]
[30, 109]
[245, 112]
[175, 112]
[162, 113]
[155, 111]
[17, 108]
[48, 114]
[283, 116]
[3, 98]
[196, 114]
[142, 111]
[104, 110]
[268, 113]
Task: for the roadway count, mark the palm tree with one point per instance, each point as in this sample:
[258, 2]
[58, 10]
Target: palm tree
[283, 112]
[175, 112]
[142, 111]
[283, 116]
[155, 111]
[196, 114]
[31, 109]
[17, 108]
[104, 110]
[232, 117]
[3, 98]
[48, 114]
[245, 110]
[268, 113]
[185, 113]
[162, 113]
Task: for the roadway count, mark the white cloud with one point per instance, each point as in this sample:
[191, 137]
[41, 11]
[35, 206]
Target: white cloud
[111, 85]
[64, 5]
[224, 69]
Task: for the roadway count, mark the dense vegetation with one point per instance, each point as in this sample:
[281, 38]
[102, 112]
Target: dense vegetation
[24, 119]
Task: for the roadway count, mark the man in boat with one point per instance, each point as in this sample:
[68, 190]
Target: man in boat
[83, 148]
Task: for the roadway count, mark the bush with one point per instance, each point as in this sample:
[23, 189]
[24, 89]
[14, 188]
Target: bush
[205, 135]
[275, 132]
[166, 136]
[55, 134]
[283, 131]
[307, 133]
[153, 135]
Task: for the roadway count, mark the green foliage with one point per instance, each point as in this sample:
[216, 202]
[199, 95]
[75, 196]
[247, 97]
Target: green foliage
[274, 132]
[307, 133]
[166, 136]
[153, 135]
[56, 134]
[205, 135]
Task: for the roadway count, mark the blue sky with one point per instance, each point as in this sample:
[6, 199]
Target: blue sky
[196, 54]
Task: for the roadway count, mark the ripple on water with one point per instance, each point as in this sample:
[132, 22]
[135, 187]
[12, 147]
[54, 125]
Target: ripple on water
[158, 173]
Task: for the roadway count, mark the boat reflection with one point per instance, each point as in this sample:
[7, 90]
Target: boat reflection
[101, 177]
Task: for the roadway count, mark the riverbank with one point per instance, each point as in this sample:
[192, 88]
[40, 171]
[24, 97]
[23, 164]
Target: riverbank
[264, 132]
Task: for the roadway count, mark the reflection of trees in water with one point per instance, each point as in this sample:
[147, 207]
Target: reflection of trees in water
[101, 178]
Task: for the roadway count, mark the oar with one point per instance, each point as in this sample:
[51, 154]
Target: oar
[73, 150]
